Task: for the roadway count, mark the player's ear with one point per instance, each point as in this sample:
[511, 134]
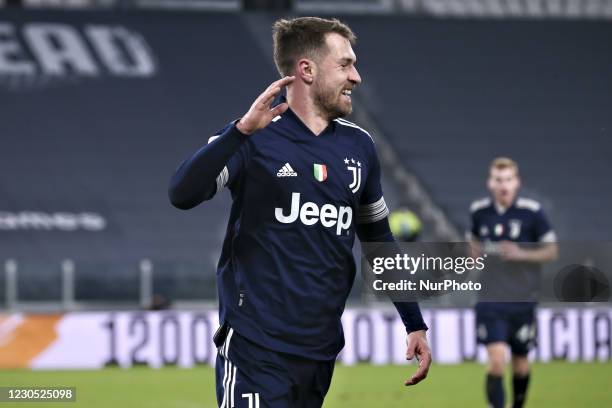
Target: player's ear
[306, 70]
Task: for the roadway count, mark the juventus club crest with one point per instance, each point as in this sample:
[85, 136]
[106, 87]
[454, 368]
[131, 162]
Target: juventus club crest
[354, 166]
[515, 228]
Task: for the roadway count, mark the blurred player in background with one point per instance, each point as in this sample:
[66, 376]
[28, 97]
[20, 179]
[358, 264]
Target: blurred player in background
[501, 225]
[303, 183]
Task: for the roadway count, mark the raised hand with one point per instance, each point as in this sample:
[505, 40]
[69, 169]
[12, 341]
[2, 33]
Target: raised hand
[261, 114]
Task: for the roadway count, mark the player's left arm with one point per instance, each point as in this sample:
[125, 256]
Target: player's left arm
[373, 226]
[546, 251]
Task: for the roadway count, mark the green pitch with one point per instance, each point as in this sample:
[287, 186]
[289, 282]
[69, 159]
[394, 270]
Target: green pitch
[553, 385]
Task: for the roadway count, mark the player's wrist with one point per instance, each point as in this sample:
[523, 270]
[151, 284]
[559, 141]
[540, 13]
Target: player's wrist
[417, 329]
[242, 128]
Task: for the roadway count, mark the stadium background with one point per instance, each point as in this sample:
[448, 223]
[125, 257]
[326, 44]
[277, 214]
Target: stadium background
[100, 100]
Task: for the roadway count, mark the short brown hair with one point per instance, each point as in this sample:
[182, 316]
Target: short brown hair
[500, 163]
[303, 37]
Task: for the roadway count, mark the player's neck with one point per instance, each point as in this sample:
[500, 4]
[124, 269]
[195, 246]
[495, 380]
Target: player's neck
[303, 106]
[502, 205]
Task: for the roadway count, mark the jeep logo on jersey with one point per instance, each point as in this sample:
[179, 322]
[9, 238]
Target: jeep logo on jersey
[356, 170]
[310, 213]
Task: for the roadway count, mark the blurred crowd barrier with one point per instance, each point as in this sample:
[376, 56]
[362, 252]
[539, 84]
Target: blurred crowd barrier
[94, 340]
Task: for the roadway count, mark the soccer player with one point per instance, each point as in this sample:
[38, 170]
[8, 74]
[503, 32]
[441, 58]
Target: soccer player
[303, 181]
[500, 224]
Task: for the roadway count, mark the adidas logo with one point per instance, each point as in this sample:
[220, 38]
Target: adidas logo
[286, 171]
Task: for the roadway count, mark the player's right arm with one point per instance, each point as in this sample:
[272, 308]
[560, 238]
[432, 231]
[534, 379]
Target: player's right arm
[373, 226]
[198, 178]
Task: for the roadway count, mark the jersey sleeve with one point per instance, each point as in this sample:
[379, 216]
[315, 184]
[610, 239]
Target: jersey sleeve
[372, 206]
[373, 226]
[542, 229]
[209, 169]
[234, 167]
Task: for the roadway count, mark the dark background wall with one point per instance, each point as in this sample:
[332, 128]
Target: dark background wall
[448, 95]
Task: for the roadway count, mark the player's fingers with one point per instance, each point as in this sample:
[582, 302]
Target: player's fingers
[276, 86]
[279, 84]
[284, 81]
[411, 346]
[425, 362]
[422, 371]
[266, 98]
[279, 109]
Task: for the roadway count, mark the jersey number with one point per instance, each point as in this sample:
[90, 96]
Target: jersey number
[253, 399]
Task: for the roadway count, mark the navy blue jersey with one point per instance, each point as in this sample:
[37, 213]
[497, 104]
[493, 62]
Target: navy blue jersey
[523, 222]
[287, 265]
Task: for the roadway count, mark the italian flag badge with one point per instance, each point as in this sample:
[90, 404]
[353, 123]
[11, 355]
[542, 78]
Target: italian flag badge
[320, 172]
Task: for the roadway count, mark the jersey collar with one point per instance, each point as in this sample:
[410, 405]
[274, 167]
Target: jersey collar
[289, 113]
[500, 209]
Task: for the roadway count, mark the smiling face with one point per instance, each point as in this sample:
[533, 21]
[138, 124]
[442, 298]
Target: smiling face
[335, 78]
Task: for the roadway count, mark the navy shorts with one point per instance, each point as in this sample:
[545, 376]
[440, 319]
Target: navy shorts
[511, 323]
[251, 376]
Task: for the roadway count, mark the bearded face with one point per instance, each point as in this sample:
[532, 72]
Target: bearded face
[335, 79]
[333, 100]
